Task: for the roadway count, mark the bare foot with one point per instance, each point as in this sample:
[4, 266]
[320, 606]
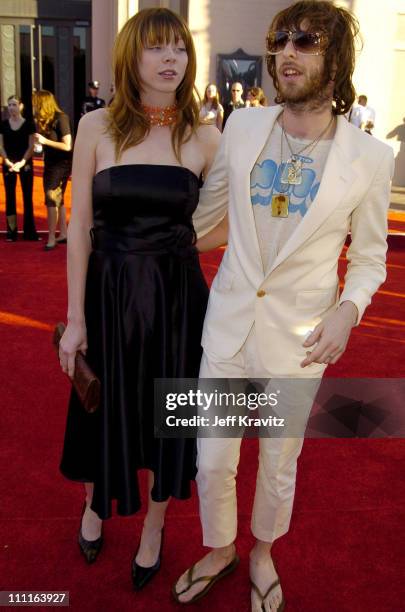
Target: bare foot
[263, 574]
[149, 546]
[214, 562]
[91, 524]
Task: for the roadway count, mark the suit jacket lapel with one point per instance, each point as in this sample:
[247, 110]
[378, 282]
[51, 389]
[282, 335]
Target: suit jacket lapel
[337, 177]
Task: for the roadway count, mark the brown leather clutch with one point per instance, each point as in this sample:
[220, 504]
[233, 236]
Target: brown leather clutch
[85, 382]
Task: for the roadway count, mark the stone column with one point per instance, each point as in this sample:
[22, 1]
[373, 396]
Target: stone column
[108, 16]
[7, 63]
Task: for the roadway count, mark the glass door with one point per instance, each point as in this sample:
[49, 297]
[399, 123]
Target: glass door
[81, 69]
[55, 57]
[27, 65]
[46, 57]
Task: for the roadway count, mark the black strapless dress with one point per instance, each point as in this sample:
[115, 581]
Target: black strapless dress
[145, 304]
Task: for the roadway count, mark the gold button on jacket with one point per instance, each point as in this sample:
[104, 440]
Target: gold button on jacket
[261, 293]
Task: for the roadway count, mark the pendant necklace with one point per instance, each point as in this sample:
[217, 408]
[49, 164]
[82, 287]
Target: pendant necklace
[292, 173]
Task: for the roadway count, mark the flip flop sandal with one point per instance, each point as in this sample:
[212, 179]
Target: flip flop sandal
[269, 590]
[210, 579]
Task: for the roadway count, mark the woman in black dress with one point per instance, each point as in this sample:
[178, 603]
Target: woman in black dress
[16, 149]
[55, 135]
[137, 296]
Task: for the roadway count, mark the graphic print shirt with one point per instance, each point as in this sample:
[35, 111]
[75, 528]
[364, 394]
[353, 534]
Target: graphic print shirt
[265, 181]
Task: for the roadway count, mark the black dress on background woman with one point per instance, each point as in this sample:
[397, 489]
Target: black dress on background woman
[57, 164]
[145, 304]
[15, 144]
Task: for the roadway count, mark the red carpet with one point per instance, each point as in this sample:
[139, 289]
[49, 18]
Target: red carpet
[345, 549]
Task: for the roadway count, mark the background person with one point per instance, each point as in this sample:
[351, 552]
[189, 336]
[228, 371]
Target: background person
[136, 292]
[362, 116]
[255, 97]
[55, 136]
[212, 112]
[16, 149]
[236, 101]
[92, 101]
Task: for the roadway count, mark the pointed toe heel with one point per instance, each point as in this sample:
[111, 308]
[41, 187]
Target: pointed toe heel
[90, 549]
[142, 575]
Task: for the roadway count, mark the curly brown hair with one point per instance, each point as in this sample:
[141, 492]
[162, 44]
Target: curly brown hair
[342, 30]
[127, 122]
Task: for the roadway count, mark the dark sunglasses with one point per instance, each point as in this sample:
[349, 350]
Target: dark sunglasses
[309, 43]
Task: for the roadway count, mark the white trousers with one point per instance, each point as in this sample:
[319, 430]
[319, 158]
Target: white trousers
[218, 460]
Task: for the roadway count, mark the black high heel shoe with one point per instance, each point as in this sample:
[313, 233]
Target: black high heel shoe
[89, 548]
[142, 575]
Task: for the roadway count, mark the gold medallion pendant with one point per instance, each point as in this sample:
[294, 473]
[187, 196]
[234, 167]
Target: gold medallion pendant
[279, 205]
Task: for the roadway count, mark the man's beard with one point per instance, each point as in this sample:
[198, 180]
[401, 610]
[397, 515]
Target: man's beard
[315, 93]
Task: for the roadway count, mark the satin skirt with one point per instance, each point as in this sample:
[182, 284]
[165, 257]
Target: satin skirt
[144, 306]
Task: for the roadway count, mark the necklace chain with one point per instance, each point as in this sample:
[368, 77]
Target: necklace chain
[293, 168]
[311, 144]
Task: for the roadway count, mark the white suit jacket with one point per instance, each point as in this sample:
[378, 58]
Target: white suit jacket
[301, 287]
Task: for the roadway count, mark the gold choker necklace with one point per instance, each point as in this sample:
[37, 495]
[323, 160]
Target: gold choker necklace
[161, 116]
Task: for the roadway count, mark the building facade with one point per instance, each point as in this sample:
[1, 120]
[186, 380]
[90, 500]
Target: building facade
[45, 45]
[54, 38]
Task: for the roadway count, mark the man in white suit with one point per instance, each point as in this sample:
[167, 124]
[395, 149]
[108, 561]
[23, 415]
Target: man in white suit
[303, 178]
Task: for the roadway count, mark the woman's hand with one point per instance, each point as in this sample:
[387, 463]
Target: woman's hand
[39, 139]
[18, 165]
[74, 339]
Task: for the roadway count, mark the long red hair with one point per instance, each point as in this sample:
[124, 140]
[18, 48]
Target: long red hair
[127, 122]
[45, 108]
